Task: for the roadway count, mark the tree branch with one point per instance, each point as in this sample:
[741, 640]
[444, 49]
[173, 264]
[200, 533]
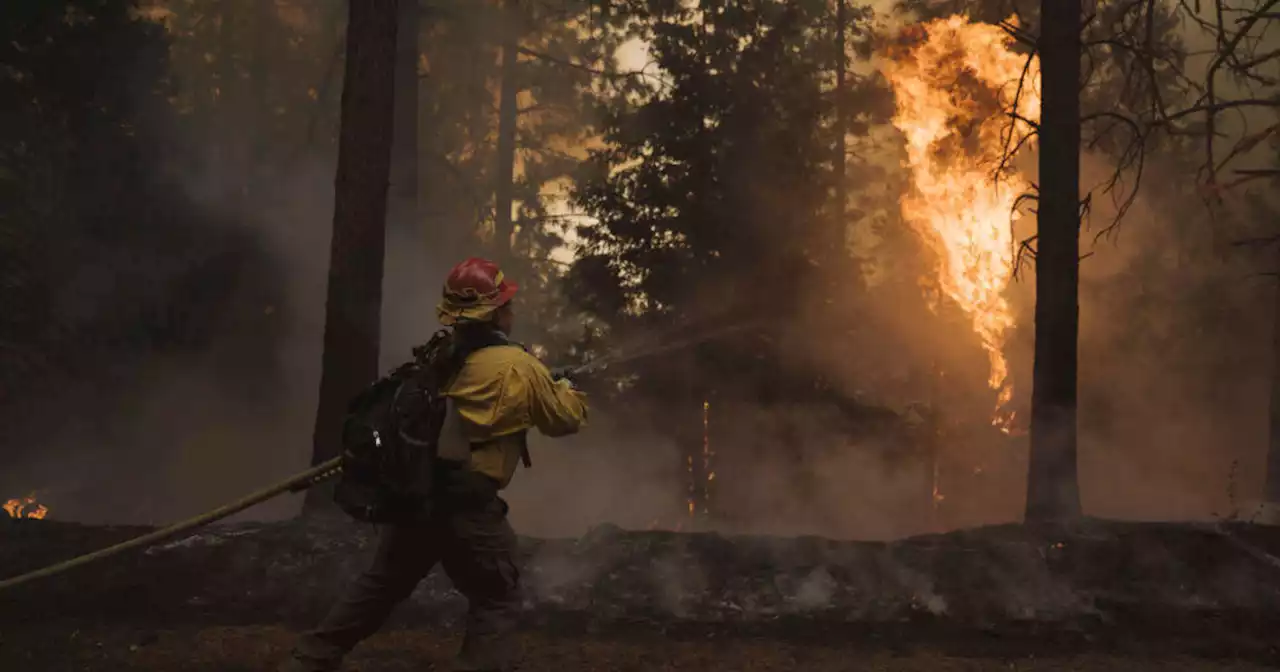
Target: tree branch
[598, 72]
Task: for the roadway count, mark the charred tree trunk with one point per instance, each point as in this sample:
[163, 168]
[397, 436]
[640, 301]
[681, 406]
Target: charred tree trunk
[1053, 491]
[405, 282]
[354, 299]
[508, 115]
[1271, 492]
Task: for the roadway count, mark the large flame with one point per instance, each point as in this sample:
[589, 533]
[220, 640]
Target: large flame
[955, 83]
[25, 507]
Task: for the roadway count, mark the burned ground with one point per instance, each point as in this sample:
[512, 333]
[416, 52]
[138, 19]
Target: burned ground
[1093, 596]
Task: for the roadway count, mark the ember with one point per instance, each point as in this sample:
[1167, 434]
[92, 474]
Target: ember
[25, 508]
[707, 456]
[700, 479]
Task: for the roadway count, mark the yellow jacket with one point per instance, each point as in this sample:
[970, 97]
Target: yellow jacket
[498, 395]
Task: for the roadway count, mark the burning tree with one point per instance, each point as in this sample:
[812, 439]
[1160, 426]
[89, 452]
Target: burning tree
[1132, 60]
[967, 102]
[1185, 78]
[953, 81]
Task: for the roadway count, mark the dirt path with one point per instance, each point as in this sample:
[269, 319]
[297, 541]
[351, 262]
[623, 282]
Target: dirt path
[244, 649]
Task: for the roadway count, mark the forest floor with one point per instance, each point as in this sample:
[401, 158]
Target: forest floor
[120, 648]
[1097, 596]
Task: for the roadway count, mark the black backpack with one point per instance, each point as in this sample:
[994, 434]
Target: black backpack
[390, 438]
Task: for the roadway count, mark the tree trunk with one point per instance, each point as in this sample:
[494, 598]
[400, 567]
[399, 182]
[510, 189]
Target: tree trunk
[353, 302]
[332, 26]
[1053, 491]
[225, 75]
[708, 458]
[406, 286]
[403, 203]
[503, 226]
[225, 155]
[1271, 492]
[842, 121]
[264, 27]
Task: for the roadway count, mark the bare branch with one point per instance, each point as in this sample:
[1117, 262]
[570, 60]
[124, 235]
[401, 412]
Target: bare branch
[1231, 31]
[609, 74]
[1273, 103]
[1259, 60]
[1010, 150]
[1018, 117]
[1018, 34]
[1024, 251]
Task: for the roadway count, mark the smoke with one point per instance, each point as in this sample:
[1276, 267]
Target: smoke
[1175, 359]
[1175, 364]
[185, 431]
[603, 475]
[815, 591]
[181, 432]
[214, 291]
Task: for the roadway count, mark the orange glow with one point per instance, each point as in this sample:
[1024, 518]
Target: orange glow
[938, 497]
[693, 486]
[707, 456]
[25, 508]
[955, 83]
[700, 482]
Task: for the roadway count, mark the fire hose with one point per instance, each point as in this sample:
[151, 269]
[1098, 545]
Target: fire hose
[671, 343]
[296, 483]
[326, 470]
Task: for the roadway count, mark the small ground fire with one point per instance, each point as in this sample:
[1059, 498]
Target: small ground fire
[25, 507]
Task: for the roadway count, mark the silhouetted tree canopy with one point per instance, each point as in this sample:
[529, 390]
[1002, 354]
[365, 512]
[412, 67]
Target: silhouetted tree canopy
[715, 195]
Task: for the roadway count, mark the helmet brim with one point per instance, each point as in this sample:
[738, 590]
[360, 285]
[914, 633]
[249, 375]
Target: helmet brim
[451, 314]
[506, 291]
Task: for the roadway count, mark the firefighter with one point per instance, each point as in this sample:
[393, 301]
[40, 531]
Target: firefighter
[498, 394]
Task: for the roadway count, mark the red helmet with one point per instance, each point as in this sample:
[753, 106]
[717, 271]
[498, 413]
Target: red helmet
[473, 290]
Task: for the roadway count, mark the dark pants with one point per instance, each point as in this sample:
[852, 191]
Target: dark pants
[469, 535]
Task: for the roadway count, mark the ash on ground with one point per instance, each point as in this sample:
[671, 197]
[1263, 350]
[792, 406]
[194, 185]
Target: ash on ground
[1209, 591]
